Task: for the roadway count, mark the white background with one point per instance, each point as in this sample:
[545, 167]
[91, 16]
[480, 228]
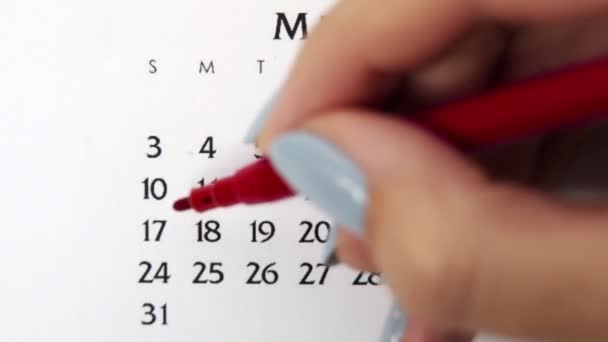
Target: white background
[76, 106]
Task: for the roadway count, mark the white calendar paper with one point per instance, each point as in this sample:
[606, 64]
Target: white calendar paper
[111, 110]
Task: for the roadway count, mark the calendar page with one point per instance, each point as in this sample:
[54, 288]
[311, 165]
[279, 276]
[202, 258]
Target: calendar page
[111, 110]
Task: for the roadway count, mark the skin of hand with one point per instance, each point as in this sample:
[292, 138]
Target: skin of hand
[465, 244]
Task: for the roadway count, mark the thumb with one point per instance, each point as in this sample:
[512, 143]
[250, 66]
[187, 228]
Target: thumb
[458, 250]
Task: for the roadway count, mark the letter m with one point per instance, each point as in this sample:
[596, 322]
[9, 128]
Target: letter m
[300, 25]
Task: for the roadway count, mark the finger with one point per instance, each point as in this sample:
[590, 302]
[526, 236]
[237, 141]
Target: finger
[354, 252]
[545, 46]
[575, 162]
[359, 51]
[367, 46]
[550, 162]
[572, 158]
[458, 251]
[468, 66]
[419, 332]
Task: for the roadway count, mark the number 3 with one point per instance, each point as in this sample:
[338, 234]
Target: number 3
[155, 145]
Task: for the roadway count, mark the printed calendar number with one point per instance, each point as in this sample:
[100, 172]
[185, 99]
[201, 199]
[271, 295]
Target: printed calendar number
[208, 231]
[154, 147]
[153, 313]
[312, 276]
[211, 274]
[154, 229]
[155, 188]
[315, 232]
[262, 232]
[203, 183]
[149, 276]
[266, 275]
[208, 148]
[367, 278]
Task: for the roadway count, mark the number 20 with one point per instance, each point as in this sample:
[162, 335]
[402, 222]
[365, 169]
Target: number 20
[313, 232]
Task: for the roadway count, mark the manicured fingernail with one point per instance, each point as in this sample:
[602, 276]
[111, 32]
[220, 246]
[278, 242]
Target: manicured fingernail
[394, 326]
[331, 258]
[316, 168]
[329, 248]
[259, 121]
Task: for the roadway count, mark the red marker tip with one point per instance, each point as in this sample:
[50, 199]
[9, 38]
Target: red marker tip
[182, 204]
[255, 183]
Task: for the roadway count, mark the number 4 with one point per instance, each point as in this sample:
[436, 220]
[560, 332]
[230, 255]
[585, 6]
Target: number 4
[207, 147]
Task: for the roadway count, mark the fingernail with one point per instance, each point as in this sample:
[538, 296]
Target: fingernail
[259, 121]
[394, 326]
[316, 168]
[330, 257]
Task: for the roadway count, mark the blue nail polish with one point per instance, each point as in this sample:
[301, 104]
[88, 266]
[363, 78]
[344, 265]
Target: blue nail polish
[259, 121]
[330, 245]
[394, 326]
[316, 168]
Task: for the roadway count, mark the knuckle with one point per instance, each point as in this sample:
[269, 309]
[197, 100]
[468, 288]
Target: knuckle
[432, 260]
[448, 264]
[444, 283]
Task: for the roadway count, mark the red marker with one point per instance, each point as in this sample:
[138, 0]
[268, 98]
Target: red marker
[541, 104]
[253, 184]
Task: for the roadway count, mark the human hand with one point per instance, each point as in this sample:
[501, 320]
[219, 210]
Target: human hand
[465, 245]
